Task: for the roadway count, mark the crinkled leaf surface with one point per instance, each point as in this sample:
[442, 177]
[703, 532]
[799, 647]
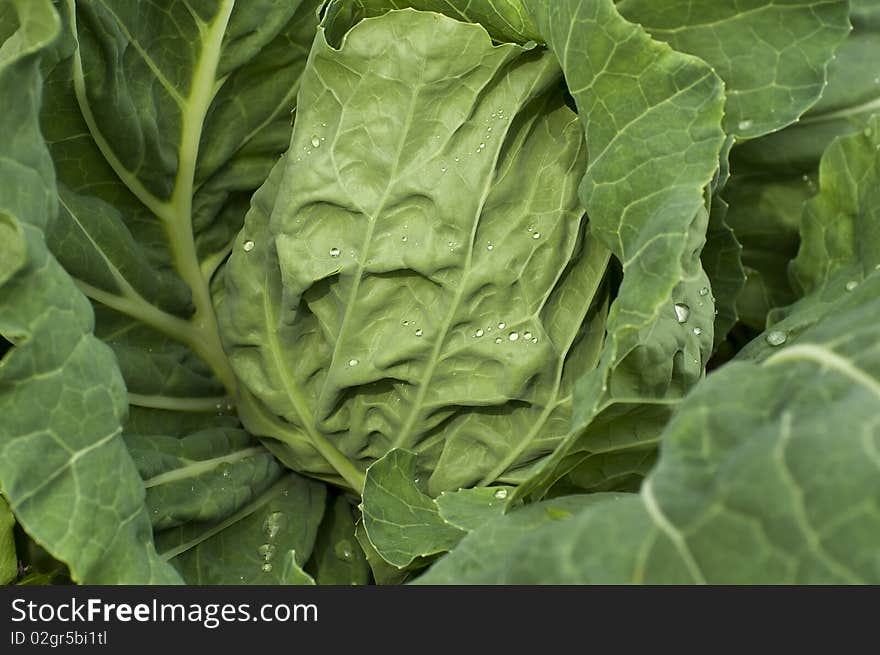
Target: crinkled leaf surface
[64, 467]
[771, 54]
[407, 278]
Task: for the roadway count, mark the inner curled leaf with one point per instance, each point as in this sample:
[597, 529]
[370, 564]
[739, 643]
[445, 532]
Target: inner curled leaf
[418, 272]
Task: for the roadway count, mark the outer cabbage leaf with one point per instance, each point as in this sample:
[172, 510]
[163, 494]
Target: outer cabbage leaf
[776, 174]
[652, 119]
[267, 541]
[418, 274]
[771, 54]
[162, 118]
[63, 465]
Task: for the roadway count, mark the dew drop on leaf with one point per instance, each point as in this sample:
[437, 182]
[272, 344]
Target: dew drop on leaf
[479, 333]
[704, 291]
[248, 245]
[746, 124]
[272, 525]
[316, 141]
[501, 494]
[419, 332]
[851, 285]
[682, 312]
[353, 362]
[267, 567]
[334, 252]
[527, 336]
[502, 325]
[776, 337]
[498, 340]
[536, 235]
[266, 551]
[513, 336]
[698, 331]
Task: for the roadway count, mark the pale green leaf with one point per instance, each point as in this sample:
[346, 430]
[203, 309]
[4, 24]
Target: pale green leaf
[402, 523]
[419, 278]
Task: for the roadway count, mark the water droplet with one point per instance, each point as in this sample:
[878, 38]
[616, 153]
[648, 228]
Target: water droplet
[527, 336]
[501, 494]
[682, 312]
[353, 362]
[534, 339]
[344, 551]
[443, 168]
[776, 337]
[482, 147]
[704, 291]
[457, 159]
[851, 285]
[488, 129]
[272, 526]
[267, 567]
[266, 551]
[248, 246]
[227, 473]
[697, 331]
[746, 124]
[490, 247]
[498, 340]
[501, 326]
[419, 332]
[406, 322]
[316, 141]
[536, 235]
[513, 336]
[334, 252]
[479, 333]
[417, 480]
[530, 229]
[404, 238]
